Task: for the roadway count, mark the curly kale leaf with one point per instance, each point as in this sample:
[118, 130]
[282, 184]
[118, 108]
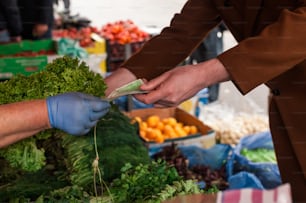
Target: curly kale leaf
[64, 74]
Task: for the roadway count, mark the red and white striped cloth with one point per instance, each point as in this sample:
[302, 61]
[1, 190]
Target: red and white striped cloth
[281, 194]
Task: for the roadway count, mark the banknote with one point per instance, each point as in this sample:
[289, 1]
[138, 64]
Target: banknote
[127, 89]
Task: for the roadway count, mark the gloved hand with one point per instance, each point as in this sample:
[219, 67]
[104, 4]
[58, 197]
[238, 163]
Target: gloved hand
[75, 113]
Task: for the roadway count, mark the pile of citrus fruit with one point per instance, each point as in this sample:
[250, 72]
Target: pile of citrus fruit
[156, 129]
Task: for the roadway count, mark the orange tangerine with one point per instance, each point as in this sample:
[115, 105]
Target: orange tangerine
[157, 132]
[167, 128]
[165, 136]
[169, 131]
[173, 134]
[150, 134]
[172, 121]
[159, 138]
[179, 131]
[180, 124]
[160, 125]
[186, 128]
[153, 120]
[193, 129]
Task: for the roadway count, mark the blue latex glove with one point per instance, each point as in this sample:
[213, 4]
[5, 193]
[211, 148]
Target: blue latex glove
[75, 113]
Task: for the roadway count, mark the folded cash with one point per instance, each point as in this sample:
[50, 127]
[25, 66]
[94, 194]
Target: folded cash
[127, 89]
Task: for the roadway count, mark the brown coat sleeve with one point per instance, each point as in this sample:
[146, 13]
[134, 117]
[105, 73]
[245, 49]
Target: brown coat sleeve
[163, 52]
[278, 48]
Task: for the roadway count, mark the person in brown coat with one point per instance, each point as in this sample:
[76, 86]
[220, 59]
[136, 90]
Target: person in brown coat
[271, 50]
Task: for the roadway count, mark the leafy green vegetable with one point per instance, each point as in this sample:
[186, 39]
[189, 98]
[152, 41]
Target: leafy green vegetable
[73, 194]
[259, 155]
[117, 142]
[72, 178]
[30, 186]
[55, 167]
[30, 159]
[151, 182]
[62, 75]
[182, 187]
[43, 153]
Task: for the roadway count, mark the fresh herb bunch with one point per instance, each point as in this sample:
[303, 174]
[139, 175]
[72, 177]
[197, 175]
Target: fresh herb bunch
[68, 174]
[151, 182]
[182, 187]
[117, 143]
[64, 74]
[58, 167]
[55, 167]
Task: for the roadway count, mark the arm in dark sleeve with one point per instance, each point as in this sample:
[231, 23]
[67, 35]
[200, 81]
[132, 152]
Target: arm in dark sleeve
[175, 43]
[279, 47]
[11, 15]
